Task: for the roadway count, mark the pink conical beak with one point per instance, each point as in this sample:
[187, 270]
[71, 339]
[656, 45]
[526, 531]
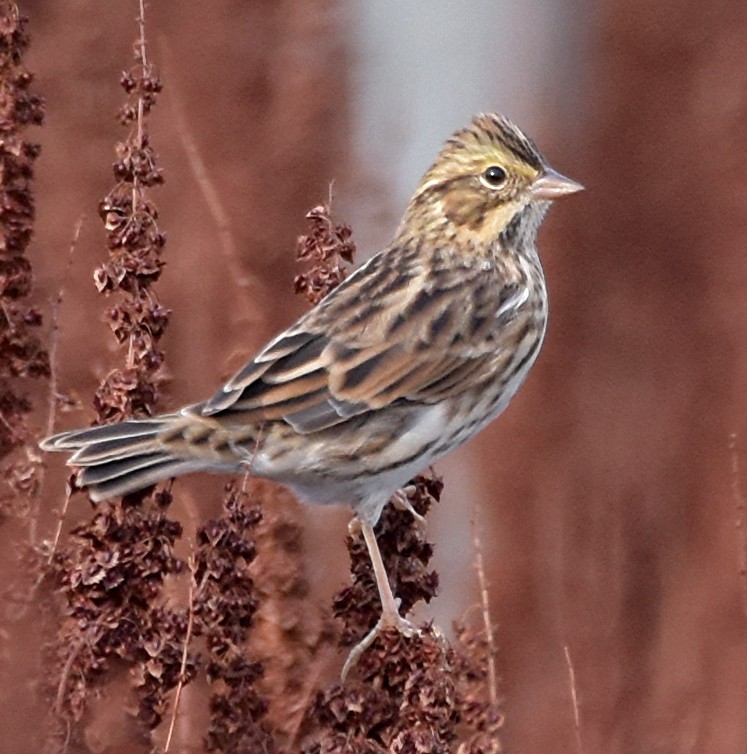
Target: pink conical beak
[551, 185]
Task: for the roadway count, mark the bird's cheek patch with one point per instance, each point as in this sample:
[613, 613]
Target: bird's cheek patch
[466, 208]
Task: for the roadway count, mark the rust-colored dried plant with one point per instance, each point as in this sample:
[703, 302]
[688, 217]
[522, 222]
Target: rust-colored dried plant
[22, 355]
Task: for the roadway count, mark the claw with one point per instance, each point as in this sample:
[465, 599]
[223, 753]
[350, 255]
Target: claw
[401, 500]
[386, 621]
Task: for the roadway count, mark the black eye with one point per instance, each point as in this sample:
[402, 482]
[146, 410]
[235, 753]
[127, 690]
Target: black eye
[494, 176]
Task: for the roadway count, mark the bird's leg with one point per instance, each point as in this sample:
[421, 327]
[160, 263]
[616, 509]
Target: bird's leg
[401, 500]
[389, 605]
[390, 617]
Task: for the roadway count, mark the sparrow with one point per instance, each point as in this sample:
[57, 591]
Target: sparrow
[408, 358]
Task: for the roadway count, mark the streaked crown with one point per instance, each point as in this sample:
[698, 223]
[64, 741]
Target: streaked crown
[489, 139]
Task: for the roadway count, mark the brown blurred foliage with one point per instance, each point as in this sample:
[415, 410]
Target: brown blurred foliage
[618, 529]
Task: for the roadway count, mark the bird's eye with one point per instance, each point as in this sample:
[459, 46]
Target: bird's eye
[493, 177]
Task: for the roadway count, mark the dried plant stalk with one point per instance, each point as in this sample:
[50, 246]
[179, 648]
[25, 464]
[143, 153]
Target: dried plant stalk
[22, 355]
[113, 570]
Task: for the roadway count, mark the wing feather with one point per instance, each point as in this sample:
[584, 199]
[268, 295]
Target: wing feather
[396, 330]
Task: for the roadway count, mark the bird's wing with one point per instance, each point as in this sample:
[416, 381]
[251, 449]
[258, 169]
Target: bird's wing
[397, 330]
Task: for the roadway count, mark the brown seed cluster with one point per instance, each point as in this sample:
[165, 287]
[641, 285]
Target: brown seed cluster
[111, 576]
[404, 701]
[414, 695]
[135, 245]
[224, 608]
[295, 636]
[330, 250]
[22, 355]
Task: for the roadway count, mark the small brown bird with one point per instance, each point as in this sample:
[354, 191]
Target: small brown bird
[407, 359]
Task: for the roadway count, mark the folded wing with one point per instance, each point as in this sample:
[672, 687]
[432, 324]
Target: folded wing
[395, 331]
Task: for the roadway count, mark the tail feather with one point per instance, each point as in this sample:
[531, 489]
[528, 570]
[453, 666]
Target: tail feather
[137, 480]
[107, 450]
[117, 459]
[128, 430]
[123, 467]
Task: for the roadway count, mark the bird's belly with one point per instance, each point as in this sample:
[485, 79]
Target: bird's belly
[375, 453]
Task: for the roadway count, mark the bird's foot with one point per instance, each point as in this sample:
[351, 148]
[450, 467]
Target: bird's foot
[387, 620]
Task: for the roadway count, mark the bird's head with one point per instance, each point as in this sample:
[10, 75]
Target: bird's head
[483, 179]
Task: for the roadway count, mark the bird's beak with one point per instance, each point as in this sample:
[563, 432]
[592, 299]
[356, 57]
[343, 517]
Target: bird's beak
[551, 185]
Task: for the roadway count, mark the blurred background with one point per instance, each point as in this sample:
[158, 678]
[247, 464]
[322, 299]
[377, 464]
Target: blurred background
[608, 498]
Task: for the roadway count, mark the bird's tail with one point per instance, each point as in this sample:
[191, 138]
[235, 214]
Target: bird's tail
[116, 459]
